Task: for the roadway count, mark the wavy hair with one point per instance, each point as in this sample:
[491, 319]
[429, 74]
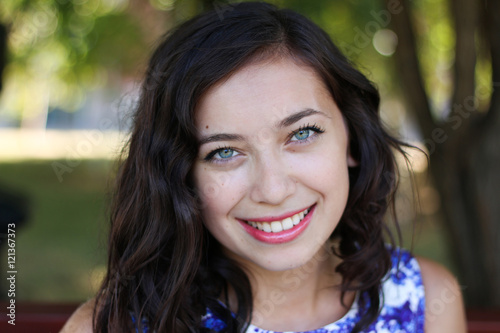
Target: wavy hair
[163, 265]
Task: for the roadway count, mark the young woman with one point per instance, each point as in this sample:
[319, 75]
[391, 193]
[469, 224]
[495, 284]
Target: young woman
[253, 193]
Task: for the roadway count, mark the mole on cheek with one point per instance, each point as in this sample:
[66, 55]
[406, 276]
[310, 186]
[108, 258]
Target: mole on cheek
[206, 126]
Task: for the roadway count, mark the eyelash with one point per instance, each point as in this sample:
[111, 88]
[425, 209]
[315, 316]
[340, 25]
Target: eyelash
[315, 128]
[210, 156]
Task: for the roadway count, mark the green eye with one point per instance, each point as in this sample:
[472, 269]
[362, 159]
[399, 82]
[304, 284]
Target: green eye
[305, 133]
[225, 153]
[220, 155]
[302, 134]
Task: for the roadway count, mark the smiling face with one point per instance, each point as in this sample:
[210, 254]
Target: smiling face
[274, 156]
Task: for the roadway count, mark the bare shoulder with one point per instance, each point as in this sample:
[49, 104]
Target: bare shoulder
[81, 320]
[443, 299]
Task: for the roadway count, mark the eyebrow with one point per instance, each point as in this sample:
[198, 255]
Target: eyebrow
[221, 137]
[290, 120]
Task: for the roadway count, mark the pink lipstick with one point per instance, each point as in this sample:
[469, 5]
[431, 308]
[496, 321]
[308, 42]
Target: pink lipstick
[279, 229]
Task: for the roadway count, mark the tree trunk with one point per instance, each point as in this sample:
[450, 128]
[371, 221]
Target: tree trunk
[3, 51]
[485, 161]
[463, 148]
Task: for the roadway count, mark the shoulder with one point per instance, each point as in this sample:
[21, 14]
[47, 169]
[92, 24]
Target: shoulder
[81, 320]
[443, 299]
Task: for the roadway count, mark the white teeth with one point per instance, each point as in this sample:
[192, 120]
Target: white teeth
[277, 226]
[287, 223]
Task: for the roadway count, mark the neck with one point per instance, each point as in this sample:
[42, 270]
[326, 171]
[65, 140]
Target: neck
[299, 299]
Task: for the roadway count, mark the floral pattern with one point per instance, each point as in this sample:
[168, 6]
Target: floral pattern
[403, 304]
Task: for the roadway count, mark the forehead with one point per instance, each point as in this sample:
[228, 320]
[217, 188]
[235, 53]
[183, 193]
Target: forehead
[265, 91]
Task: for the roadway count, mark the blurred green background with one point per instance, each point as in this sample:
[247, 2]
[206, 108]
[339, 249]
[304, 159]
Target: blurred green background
[71, 79]
[60, 252]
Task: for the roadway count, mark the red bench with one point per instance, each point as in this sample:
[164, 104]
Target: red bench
[36, 317]
[483, 320]
[50, 318]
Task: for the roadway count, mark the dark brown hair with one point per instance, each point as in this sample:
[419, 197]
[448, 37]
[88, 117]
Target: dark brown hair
[163, 264]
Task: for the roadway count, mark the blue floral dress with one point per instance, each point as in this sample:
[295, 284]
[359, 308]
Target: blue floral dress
[402, 311]
[403, 304]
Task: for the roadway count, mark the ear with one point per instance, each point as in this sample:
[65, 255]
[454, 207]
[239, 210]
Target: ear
[351, 161]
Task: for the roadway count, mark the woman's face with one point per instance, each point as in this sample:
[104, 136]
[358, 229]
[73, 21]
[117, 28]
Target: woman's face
[274, 156]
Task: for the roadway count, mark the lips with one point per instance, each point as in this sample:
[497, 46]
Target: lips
[280, 229]
[280, 225]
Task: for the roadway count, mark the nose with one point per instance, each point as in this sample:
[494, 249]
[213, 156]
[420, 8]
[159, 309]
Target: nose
[272, 181]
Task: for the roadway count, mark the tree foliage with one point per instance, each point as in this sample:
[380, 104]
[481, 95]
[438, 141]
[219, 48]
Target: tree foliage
[57, 50]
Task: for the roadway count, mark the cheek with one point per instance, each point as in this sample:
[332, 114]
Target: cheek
[218, 191]
[324, 168]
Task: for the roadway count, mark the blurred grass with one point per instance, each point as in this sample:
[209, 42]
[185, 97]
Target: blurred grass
[428, 238]
[61, 250]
